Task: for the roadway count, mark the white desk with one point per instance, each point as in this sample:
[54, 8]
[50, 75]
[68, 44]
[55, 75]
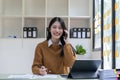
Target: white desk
[28, 77]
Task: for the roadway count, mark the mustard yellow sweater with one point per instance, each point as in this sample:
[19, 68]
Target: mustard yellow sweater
[51, 59]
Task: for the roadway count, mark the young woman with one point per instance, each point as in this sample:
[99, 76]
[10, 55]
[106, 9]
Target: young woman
[54, 55]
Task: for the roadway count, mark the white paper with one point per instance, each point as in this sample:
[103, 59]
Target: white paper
[32, 76]
[21, 76]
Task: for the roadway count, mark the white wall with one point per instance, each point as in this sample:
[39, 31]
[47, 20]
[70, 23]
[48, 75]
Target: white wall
[16, 55]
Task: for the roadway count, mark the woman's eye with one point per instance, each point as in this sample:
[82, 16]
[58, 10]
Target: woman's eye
[54, 27]
[59, 27]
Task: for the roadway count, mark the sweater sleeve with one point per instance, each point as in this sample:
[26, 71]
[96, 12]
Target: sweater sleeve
[37, 63]
[69, 55]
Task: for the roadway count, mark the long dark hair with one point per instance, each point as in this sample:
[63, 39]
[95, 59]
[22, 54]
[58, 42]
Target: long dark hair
[62, 23]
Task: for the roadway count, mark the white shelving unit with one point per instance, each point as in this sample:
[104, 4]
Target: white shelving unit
[16, 14]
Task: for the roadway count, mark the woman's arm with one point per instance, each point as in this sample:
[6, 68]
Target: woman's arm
[37, 63]
[69, 55]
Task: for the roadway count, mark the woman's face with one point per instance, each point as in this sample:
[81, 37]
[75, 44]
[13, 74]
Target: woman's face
[56, 30]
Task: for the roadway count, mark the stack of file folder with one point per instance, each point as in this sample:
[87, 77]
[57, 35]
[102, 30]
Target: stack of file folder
[107, 75]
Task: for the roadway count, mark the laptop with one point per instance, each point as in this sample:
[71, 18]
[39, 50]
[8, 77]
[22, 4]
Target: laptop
[85, 69]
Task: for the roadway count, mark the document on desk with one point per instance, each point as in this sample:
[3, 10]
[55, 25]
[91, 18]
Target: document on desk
[32, 76]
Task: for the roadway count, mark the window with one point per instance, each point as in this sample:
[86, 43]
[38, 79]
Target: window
[117, 34]
[97, 24]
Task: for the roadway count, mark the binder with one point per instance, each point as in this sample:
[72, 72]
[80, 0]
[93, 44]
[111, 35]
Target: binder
[79, 33]
[34, 32]
[29, 32]
[88, 33]
[83, 33]
[25, 32]
[73, 33]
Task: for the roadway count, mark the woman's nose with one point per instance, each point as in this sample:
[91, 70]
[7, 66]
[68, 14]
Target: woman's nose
[57, 29]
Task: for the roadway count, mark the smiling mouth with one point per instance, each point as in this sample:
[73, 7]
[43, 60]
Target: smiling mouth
[56, 34]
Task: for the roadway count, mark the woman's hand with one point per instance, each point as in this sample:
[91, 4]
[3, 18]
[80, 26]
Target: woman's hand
[43, 70]
[66, 38]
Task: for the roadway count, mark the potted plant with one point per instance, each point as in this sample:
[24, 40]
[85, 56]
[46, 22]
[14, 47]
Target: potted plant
[80, 50]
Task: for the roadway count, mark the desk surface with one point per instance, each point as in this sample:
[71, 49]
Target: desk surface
[56, 77]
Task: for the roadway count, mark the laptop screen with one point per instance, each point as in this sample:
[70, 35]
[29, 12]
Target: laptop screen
[85, 65]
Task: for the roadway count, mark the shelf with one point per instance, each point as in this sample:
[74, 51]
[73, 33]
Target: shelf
[11, 27]
[81, 17]
[78, 22]
[36, 22]
[11, 16]
[34, 16]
